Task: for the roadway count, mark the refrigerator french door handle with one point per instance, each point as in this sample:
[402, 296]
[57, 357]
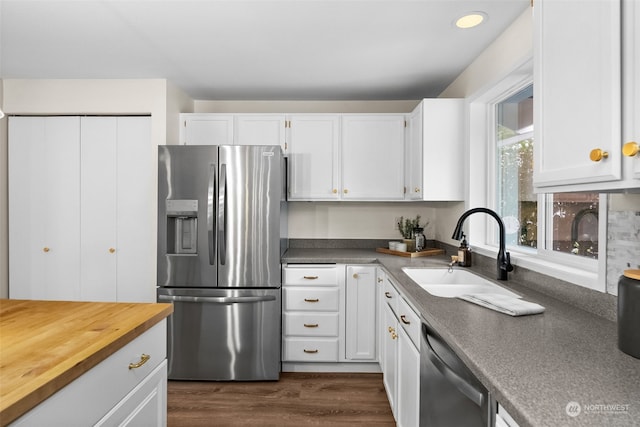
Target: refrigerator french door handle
[211, 219]
[222, 201]
[465, 388]
[216, 300]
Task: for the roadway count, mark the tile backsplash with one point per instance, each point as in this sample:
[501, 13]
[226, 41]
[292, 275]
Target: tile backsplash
[623, 238]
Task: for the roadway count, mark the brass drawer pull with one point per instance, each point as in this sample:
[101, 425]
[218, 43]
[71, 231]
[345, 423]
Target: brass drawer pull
[310, 351]
[391, 329]
[404, 320]
[388, 295]
[310, 277]
[143, 359]
[311, 300]
[310, 325]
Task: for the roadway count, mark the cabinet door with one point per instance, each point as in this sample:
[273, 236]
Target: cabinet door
[390, 358]
[260, 129]
[137, 211]
[408, 391]
[576, 91]
[361, 292]
[631, 84]
[206, 129]
[414, 155]
[98, 208]
[381, 277]
[443, 172]
[145, 405]
[313, 157]
[373, 157]
[44, 207]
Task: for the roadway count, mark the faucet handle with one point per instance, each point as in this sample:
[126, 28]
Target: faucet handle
[508, 265]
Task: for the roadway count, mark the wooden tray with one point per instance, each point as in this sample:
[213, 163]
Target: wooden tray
[425, 252]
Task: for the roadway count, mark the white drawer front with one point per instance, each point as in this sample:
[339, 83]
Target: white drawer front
[321, 299]
[311, 324]
[410, 321]
[310, 275]
[391, 295]
[310, 350]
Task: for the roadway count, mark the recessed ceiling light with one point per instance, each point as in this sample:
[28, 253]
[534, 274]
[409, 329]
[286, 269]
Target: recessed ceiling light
[471, 20]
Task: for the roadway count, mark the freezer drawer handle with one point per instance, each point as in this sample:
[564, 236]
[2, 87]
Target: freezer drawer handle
[310, 325]
[310, 277]
[216, 300]
[310, 351]
[312, 300]
[143, 360]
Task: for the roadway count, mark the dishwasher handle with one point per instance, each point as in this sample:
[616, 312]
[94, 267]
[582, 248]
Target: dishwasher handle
[216, 300]
[475, 395]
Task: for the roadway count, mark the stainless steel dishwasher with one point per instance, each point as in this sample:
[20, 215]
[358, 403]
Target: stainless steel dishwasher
[450, 395]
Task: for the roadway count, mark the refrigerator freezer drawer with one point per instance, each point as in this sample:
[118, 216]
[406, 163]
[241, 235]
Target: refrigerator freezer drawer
[223, 334]
[311, 350]
[311, 299]
[311, 325]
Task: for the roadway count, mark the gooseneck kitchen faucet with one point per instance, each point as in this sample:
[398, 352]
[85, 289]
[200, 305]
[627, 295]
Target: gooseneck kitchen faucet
[504, 259]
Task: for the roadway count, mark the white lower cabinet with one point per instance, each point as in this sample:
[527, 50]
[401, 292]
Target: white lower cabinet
[330, 315]
[112, 393]
[401, 359]
[312, 304]
[390, 358]
[361, 297]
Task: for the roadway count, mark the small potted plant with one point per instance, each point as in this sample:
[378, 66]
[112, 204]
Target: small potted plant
[406, 227]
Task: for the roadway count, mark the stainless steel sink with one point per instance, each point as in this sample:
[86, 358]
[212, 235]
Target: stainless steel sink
[442, 282]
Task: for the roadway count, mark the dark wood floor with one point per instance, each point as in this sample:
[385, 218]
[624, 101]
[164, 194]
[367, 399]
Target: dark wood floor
[319, 399]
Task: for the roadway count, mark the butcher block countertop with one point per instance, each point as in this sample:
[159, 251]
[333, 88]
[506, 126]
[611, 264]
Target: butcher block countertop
[45, 345]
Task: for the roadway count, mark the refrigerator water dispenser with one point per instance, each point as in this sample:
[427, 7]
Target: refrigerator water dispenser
[182, 226]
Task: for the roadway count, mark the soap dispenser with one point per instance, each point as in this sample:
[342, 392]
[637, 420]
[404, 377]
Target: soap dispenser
[464, 253]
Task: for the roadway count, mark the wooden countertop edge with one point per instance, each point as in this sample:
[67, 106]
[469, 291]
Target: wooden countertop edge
[16, 409]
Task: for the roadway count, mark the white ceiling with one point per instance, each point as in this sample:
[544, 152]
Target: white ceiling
[253, 50]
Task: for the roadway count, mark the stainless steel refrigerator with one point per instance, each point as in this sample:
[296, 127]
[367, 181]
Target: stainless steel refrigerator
[221, 234]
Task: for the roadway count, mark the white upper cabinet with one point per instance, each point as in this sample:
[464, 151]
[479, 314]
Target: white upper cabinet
[313, 157]
[631, 85]
[206, 129]
[372, 163]
[233, 129]
[579, 74]
[260, 129]
[434, 155]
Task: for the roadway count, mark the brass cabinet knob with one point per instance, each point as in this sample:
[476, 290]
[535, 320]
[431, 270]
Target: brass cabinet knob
[45, 249]
[345, 191]
[355, 275]
[597, 154]
[394, 335]
[391, 329]
[416, 190]
[335, 191]
[631, 149]
[379, 279]
[112, 250]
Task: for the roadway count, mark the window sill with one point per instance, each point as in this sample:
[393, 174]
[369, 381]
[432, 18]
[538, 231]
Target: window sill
[578, 276]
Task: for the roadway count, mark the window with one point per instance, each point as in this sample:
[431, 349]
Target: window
[570, 224]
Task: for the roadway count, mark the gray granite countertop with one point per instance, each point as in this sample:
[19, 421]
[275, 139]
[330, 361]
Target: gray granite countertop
[533, 365]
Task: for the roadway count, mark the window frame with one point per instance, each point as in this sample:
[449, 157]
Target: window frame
[481, 191]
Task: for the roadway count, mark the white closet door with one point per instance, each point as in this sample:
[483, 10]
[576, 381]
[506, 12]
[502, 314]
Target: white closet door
[44, 207]
[98, 212]
[137, 211]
